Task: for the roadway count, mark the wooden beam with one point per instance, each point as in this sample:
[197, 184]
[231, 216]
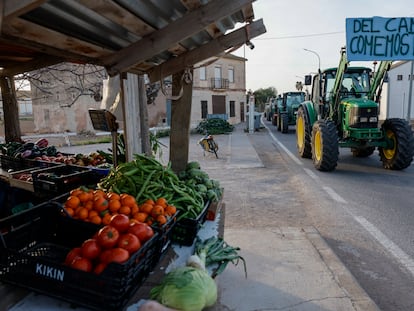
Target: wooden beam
[181, 29]
[1, 13]
[180, 123]
[16, 8]
[132, 128]
[47, 41]
[37, 63]
[213, 48]
[12, 130]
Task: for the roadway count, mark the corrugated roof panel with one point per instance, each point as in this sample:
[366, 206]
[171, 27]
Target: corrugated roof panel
[75, 20]
[157, 13]
[95, 31]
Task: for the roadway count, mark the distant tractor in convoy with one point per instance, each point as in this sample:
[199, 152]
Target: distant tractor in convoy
[286, 110]
[343, 112]
[277, 102]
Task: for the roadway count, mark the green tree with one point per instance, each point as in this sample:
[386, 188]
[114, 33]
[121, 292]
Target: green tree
[262, 96]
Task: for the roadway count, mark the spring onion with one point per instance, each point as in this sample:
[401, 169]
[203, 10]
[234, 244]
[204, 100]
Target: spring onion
[215, 251]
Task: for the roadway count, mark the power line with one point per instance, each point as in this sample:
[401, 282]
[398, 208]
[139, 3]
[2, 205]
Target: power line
[303, 36]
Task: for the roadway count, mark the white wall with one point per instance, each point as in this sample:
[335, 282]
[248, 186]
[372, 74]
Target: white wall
[395, 99]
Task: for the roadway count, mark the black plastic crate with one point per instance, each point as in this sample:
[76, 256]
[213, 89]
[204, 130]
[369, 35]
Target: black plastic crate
[165, 232]
[9, 163]
[186, 229]
[63, 178]
[33, 247]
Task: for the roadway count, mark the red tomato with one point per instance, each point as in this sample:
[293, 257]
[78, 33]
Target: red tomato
[73, 253]
[100, 267]
[118, 255]
[90, 249]
[130, 242]
[141, 230]
[82, 263]
[108, 236]
[120, 222]
[105, 256]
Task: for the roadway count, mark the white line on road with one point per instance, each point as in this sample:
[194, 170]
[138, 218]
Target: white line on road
[311, 174]
[393, 248]
[334, 195]
[290, 154]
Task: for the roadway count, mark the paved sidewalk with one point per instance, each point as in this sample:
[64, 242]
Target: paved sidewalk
[289, 268]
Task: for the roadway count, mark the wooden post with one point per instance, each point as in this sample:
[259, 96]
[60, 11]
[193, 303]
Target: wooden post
[180, 121]
[132, 129]
[12, 130]
[143, 109]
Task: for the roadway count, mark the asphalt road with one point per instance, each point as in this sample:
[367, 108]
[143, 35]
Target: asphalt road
[364, 212]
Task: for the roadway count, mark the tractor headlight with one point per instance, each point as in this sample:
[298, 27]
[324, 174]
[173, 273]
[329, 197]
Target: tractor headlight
[373, 119]
[363, 119]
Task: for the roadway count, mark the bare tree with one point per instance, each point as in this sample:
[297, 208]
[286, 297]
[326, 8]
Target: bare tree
[76, 79]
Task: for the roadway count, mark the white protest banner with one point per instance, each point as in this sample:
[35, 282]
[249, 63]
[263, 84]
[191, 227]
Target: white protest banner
[380, 38]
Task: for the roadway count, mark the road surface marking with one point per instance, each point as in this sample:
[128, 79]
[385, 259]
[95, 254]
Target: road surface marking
[334, 195]
[311, 174]
[290, 154]
[405, 260]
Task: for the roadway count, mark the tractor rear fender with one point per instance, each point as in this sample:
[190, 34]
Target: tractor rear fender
[309, 108]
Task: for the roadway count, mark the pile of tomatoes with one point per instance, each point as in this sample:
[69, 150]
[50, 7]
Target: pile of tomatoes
[98, 206]
[114, 242]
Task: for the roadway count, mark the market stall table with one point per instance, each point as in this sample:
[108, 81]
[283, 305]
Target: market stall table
[17, 299]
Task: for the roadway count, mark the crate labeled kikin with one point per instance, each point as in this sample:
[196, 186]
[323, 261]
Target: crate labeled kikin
[33, 248]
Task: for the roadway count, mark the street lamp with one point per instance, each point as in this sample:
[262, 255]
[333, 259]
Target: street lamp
[319, 59]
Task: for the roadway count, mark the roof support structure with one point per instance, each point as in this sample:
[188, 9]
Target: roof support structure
[214, 47]
[180, 122]
[181, 29]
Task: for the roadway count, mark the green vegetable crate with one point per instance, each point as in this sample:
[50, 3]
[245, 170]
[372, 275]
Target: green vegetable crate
[33, 247]
[186, 229]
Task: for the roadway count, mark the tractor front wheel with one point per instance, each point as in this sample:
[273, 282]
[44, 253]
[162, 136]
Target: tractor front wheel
[285, 122]
[303, 133]
[400, 154]
[325, 148]
[279, 121]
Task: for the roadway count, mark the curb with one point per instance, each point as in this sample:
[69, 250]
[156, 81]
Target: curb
[341, 274]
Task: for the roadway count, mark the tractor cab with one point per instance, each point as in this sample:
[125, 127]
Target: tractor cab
[355, 83]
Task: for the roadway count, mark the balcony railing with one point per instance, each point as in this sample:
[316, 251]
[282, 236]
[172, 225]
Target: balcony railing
[219, 84]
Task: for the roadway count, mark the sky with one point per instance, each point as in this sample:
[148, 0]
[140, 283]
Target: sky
[279, 59]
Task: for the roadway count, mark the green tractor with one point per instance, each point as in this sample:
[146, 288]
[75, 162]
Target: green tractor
[286, 110]
[276, 102]
[343, 112]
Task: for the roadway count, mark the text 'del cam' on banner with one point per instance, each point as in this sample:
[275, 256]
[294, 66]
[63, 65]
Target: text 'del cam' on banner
[380, 38]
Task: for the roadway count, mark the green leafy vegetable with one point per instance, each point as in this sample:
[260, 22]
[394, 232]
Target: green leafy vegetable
[186, 288]
[217, 252]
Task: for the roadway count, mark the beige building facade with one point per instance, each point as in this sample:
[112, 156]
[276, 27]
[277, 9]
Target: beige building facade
[219, 89]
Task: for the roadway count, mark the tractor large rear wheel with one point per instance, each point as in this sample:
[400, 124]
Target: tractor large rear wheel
[400, 155]
[325, 148]
[303, 133]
